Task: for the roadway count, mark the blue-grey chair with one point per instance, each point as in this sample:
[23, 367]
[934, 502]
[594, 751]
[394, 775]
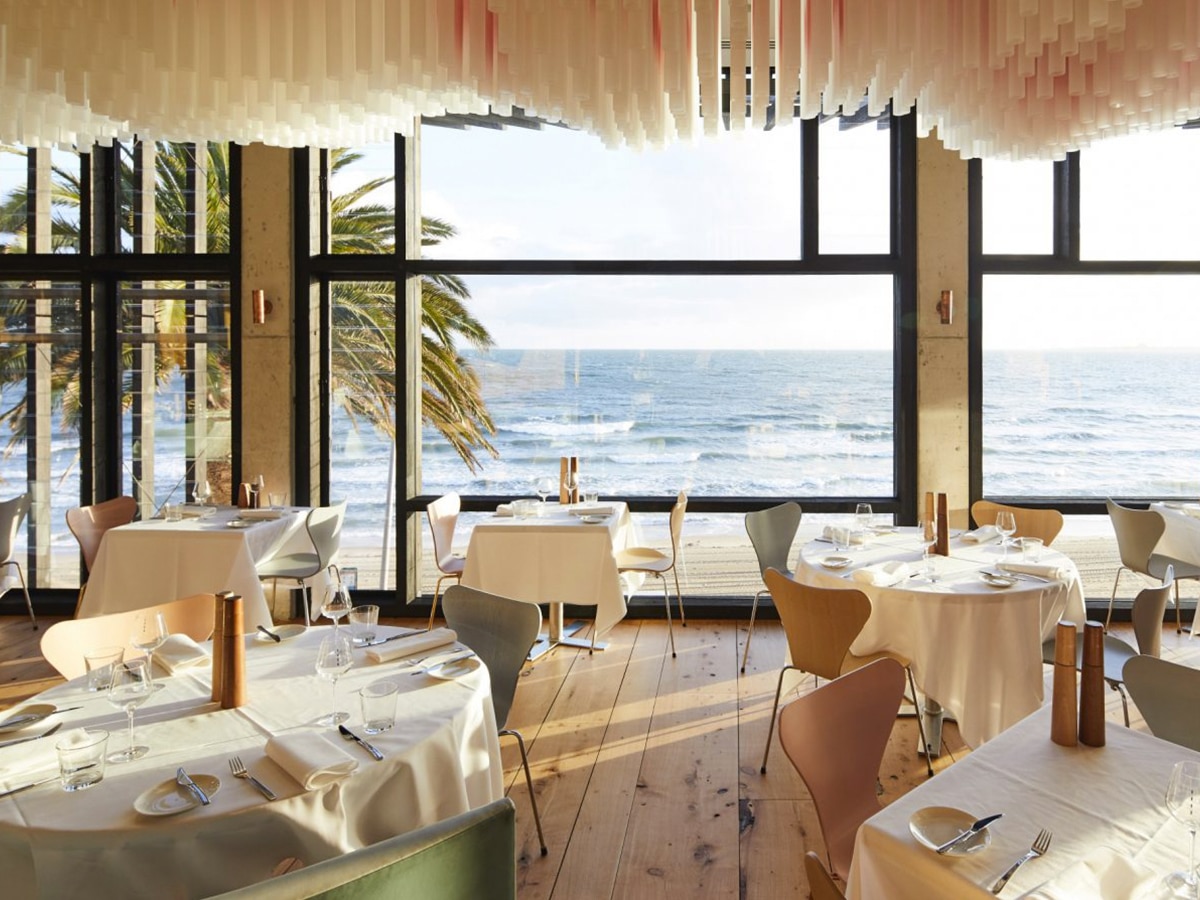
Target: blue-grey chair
[771, 532]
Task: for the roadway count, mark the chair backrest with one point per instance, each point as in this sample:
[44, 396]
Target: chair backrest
[500, 630]
[677, 513]
[465, 857]
[820, 623]
[1149, 608]
[12, 514]
[1138, 531]
[771, 532]
[835, 736]
[64, 643]
[443, 517]
[820, 883]
[324, 525]
[1038, 523]
[88, 523]
[1167, 695]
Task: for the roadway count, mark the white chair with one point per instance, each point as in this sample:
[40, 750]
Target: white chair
[12, 514]
[771, 534]
[443, 517]
[650, 561]
[324, 527]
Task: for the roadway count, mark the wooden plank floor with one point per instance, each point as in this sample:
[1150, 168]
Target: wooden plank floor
[646, 768]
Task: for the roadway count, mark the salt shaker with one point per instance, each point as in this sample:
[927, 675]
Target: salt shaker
[1064, 704]
[1091, 686]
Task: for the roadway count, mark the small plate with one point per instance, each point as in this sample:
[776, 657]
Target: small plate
[285, 632]
[240, 523]
[836, 562]
[592, 520]
[991, 579]
[26, 716]
[934, 825]
[448, 671]
[170, 798]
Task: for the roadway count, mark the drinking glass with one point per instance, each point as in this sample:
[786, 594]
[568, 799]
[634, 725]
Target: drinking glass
[863, 516]
[202, 493]
[150, 632]
[131, 687]
[1183, 801]
[337, 603]
[1006, 524]
[929, 559]
[544, 486]
[334, 659]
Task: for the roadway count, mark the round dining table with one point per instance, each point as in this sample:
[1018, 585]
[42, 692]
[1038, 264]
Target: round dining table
[975, 641]
[441, 758]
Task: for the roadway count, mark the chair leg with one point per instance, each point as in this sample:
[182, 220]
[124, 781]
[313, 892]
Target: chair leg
[667, 604]
[774, 713]
[1178, 617]
[304, 600]
[678, 592]
[28, 603]
[912, 685]
[1113, 598]
[537, 820]
[750, 633]
[1120, 689]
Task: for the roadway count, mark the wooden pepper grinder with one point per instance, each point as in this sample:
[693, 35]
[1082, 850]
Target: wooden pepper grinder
[1091, 686]
[218, 644]
[233, 679]
[929, 517]
[943, 527]
[1064, 719]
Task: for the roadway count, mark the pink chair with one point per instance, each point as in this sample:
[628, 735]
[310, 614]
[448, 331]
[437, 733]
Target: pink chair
[443, 517]
[835, 736]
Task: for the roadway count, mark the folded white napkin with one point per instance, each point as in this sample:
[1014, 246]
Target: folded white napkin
[180, 652]
[196, 511]
[982, 535]
[504, 509]
[592, 510]
[1103, 874]
[1041, 570]
[309, 758]
[417, 643]
[844, 535]
[264, 513]
[882, 574]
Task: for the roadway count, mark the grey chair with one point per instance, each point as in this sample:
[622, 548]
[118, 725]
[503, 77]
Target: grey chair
[1167, 695]
[1138, 532]
[771, 532]
[501, 631]
[324, 527]
[12, 514]
[465, 857]
[649, 561]
[1149, 608]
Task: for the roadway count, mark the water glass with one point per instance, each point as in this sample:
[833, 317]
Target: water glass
[172, 512]
[81, 758]
[1183, 802]
[363, 622]
[1031, 549]
[278, 499]
[379, 706]
[591, 497]
[99, 664]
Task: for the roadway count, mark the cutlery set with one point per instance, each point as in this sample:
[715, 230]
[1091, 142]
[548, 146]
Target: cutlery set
[1039, 847]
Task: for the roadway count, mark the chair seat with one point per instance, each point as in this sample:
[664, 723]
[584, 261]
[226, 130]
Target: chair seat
[853, 662]
[452, 565]
[1116, 653]
[290, 565]
[1157, 566]
[643, 559]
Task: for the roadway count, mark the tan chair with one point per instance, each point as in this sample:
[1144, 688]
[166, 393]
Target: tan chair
[820, 883]
[1167, 695]
[1038, 523]
[324, 527]
[64, 643]
[443, 517]
[12, 514]
[771, 532]
[835, 736]
[649, 561]
[88, 524]
[1138, 532]
[820, 625]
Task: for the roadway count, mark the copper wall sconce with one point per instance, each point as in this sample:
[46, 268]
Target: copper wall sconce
[260, 306]
[945, 307]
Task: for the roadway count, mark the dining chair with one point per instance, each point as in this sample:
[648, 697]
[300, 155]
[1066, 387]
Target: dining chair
[65, 642]
[1167, 694]
[835, 737]
[820, 883]
[1138, 532]
[12, 514]
[501, 631]
[1038, 523]
[771, 533]
[464, 857]
[324, 527]
[443, 518]
[650, 561]
[820, 625]
[89, 523]
[1149, 609]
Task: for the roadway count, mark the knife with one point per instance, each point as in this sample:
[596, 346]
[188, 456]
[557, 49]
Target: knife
[26, 787]
[272, 635]
[969, 833]
[32, 737]
[184, 779]
[424, 670]
[394, 637]
[370, 748]
[34, 717]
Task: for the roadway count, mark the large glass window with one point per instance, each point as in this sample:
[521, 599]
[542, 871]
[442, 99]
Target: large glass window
[174, 198]
[1018, 207]
[855, 185]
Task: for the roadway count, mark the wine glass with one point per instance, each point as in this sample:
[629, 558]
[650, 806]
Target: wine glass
[334, 659]
[1183, 801]
[131, 687]
[1006, 524]
[337, 603]
[544, 486]
[150, 632]
[863, 515]
[202, 493]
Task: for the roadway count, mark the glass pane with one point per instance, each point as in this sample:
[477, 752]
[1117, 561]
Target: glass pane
[174, 199]
[363, 427]
[362, 199]
[176, 394]
[1018, 207]
[1137, 196]
[737, 386]
[855, 185]
[40, 420]
[1089, 386]
[56, 197]
[554, 193]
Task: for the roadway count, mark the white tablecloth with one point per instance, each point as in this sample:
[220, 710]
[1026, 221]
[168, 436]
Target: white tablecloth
[441, 758]
[1090, 798]
[975, 649]
[1181, 539]
[555, 558]
[156, 561]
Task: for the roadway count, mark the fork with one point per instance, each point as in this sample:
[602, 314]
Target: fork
[1040, 845]
[238, 768]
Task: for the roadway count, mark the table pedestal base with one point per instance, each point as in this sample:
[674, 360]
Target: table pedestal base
[932, 716]
[557, 634]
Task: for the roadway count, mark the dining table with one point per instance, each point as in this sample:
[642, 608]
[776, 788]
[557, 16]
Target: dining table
[1181, 537]
[1111, 834]
[558, 554]
[209, 549]
[974, 638]
[119, 837]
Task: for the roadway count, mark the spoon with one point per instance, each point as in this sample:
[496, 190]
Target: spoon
[272, 635]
